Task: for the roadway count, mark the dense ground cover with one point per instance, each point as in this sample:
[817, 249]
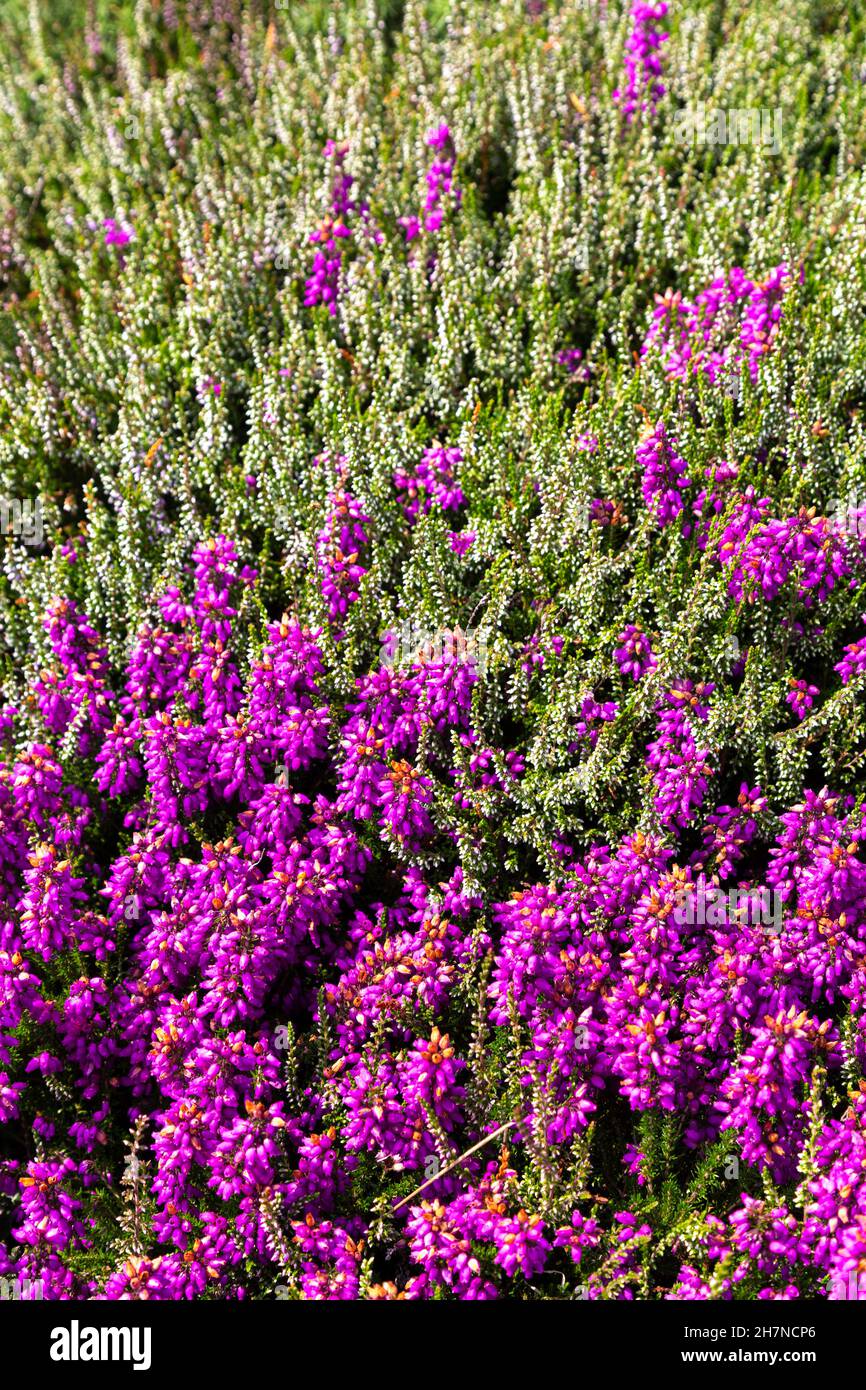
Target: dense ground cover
[433, 650]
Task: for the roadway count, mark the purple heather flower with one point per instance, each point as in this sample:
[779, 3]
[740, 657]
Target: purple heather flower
[642, 61]
[431, 483]
[634, 655]
[461, 541]
[338, 549]
[117, 233]
[663, 471]
[570, 359]
[801, 697]
[728, 327]
[853, 662]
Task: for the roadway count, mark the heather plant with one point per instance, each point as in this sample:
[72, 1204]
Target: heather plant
[433, 652]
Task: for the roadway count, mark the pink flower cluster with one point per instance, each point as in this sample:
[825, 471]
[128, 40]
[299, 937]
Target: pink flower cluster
[323, 285]
[440, 184]
[432, 483]
[643, 87]
[246, 934]
[729, 326]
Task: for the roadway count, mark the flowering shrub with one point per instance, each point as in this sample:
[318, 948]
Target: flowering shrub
[335, 967]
